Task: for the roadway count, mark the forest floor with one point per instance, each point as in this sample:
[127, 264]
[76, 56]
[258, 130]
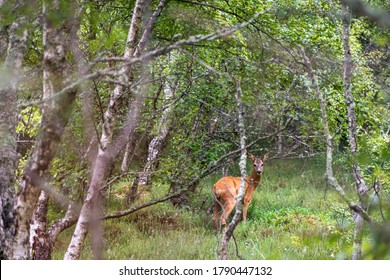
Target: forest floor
[293, 215]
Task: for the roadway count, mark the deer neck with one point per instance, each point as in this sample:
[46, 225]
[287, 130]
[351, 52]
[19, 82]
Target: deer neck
[253, 180]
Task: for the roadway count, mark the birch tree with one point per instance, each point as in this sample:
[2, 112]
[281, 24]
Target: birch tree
[357, 209]
[139, 48]
[156, 145]
[11, 73]
[91, 212]
[55, 114]
[240, 197]
[361, 187]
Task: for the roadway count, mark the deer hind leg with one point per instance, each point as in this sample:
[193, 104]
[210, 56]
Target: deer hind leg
[226, 212]
[217, 213]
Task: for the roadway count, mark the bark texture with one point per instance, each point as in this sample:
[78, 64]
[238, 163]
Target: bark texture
[55, 115]
[157, 143]
[136, 51]
[90, 218]
[241, 194]
[9, 83]
[359, 213]
[41, 247]
[155, 148]
[361, 187]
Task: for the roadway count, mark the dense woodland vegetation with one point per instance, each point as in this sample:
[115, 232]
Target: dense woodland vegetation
[117, 117]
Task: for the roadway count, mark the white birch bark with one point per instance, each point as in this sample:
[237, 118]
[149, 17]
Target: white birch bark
[9, 84]
[40, 245]
[137, 51]
[359, 211]
[54, 119]
[41, 242]
[156, 144]
[361, 187]
[90, 218]
[240, 197]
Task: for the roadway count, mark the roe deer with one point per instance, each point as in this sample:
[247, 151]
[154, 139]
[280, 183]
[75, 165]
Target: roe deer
[226, 191]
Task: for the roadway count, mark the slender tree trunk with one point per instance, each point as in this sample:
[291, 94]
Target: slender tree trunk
[359, 213]
[126, 156]
[324, 118]
[361, 187]
[137, 51]
[279, 136]
[55, 115]
[240, 197]
[40, 241]
[155, 148]
[329, 145]
[157, 143]
[90, 218]
[8, 120]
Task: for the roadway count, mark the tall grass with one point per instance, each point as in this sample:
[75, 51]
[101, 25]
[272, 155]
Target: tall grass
[293, 215]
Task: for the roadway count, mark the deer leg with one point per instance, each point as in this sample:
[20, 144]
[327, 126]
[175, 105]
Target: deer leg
[226, 212]
[217, 213]
[245, 210]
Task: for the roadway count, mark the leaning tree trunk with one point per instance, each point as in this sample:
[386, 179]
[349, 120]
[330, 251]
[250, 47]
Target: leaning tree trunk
[324, 118]
[137, 50]
[40, 241]
[90, 218]
[361, 187]
[8, 120]
[241, 193]
[54, 119]
[358, 211]
[155, 148]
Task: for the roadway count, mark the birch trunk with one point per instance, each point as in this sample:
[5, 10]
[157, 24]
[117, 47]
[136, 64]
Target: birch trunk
[157, 143]
[361, 187]
[359, 213]
[54, 119]
[137, 51]
[155, 148]
[41, 247]
[324, 118]
[90, 218]
[240, 197]
[8, 120]
[41, 241]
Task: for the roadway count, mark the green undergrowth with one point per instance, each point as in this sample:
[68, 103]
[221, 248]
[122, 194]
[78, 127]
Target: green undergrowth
[293, 215]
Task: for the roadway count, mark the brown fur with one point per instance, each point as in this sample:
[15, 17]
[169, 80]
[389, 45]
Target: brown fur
[226, 191]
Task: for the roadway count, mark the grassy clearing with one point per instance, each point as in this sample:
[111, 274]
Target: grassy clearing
[292, 216]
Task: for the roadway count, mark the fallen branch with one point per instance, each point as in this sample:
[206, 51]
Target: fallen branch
[143, 205]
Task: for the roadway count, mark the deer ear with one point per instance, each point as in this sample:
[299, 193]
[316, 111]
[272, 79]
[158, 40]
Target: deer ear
[265, 157]
[251, 157]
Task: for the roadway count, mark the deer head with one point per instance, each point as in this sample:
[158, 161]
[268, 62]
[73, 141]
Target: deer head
[258, 163]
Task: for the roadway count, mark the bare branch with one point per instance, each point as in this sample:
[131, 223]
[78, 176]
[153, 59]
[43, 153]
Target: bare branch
[224, 32]
[114, 71]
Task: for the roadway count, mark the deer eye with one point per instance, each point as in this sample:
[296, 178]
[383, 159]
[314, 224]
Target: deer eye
[254, 164]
